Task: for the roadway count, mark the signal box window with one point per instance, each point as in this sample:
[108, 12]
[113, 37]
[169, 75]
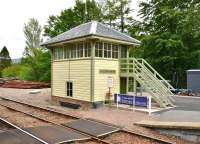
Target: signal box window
[69, 89]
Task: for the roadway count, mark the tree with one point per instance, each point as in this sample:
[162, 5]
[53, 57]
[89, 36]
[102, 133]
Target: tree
[32, 32]
[110, 15]
[117, 13]
[5, 59]
[173, 34]
[72, 17]
[39, 66]
[37, 60]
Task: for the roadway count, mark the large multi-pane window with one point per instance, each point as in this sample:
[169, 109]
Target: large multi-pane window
[83, 49]
[106, 50]
[73, 51]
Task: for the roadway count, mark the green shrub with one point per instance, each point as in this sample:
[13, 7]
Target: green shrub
[26, 74]
[12, 71]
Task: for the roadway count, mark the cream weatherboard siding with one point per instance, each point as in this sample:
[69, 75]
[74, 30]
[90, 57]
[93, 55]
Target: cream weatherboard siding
[80, 71]
[100, 80]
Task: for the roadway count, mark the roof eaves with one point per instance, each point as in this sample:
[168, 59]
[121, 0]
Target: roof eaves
[67, 40]
[115, 39]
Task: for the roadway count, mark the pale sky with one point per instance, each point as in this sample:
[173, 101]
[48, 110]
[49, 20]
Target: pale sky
[14, 13]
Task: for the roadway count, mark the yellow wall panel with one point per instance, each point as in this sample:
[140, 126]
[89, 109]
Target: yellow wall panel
[77, 71]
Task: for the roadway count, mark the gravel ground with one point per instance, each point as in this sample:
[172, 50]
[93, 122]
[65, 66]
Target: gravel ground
[111, 115]
[125, 138]
[20, 119]
[88, 142]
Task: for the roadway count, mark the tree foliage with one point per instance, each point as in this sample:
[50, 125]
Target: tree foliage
[37, 60]
[5, 59]
[172, 43]
[32, 33]
[72, 17]
[39, 66]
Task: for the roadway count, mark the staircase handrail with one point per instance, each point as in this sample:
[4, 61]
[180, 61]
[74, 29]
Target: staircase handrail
[156, 73]
[159, 83]
[138, 68]
[145, 86]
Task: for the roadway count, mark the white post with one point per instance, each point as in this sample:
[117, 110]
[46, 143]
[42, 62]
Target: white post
[149, 105]
[133, 103]
[117, 102]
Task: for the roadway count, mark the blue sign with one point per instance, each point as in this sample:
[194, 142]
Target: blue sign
[131, 100]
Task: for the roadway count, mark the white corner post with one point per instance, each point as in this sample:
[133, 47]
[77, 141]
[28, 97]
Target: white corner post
[117, 101]
[149, 105]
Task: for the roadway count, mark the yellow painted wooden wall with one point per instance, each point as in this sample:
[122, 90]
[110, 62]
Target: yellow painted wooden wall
[80, 73]
[101, 88]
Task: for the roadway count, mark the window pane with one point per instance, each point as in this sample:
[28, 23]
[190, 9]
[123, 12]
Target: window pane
[69, 89]
[87, 49]
[100, 50]
[70, 93]
[115, 51]
[96, 49]
[123, 51]
[105, 50]
[80, 50]
[55, 54]
[67, 92]
[73, 51]
[70, 85]
[66, 52]
[109, 50]
[60, 53]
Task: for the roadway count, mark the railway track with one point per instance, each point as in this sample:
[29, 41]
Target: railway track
[59, 118]
[10, 126]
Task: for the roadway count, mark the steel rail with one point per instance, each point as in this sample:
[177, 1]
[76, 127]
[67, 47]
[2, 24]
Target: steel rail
[64, 126]
[97, 121]
[23, 131]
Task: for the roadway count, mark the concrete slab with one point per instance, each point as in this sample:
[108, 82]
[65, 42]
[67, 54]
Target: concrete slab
[188, 102]
[187, 110]
[170, 125]
[178, 115]
[91, 127]
[56, 134]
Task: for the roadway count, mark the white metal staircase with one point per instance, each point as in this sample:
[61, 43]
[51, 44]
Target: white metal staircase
[149, 79]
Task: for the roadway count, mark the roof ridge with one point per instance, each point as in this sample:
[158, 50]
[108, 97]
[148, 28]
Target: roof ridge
[93, 27]
[119, 32]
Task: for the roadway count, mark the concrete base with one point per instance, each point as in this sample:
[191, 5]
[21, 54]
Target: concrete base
[84, 104]
[190, 135]
[186, 130]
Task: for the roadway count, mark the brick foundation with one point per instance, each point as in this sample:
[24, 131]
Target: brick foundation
[84, 104]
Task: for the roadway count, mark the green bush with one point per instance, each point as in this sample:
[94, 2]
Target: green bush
[12, 71]
[32, 68]
[18, 71]
[26, 74]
